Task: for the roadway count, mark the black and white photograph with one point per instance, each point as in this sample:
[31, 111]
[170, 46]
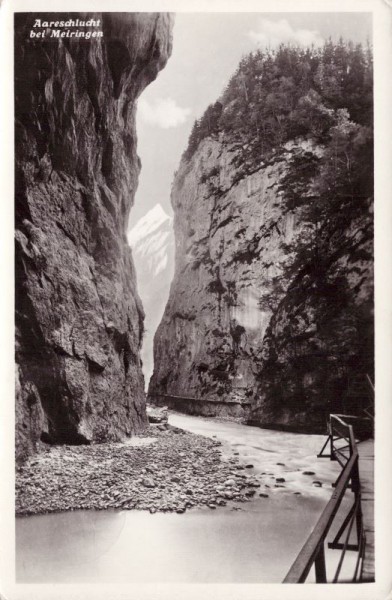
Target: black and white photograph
[198, 395]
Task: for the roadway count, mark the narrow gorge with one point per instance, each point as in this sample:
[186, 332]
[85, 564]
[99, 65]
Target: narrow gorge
[270, 315]
[195, 395]
[79, 319]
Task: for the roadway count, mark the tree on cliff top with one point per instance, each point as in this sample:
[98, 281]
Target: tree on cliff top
[277, 95]
[321, 300]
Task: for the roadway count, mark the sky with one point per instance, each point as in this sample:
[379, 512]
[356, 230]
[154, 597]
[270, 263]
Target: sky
[207, 48]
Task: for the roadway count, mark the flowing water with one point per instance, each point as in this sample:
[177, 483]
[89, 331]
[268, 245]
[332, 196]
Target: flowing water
[255, 544]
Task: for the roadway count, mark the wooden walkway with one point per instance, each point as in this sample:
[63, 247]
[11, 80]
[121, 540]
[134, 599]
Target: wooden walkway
[366, 474]
[357, 462]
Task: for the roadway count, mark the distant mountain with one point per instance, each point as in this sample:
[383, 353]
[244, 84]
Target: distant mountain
[152, 243]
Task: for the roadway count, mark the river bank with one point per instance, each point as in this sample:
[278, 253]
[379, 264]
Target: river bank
[172, 468]
[256, 542]
[166, 469]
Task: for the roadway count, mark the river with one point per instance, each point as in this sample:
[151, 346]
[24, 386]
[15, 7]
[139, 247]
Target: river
[255, 544]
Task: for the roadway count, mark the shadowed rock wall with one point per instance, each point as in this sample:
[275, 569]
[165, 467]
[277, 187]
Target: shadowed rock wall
[79, 320]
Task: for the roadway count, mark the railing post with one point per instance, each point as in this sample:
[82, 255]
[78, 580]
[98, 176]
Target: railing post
[355, 484]
[331, 437]
[319, 564]
[356, 487]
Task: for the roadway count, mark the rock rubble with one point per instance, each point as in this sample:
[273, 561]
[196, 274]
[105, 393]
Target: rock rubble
[165, 469]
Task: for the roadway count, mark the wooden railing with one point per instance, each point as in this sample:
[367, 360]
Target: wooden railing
[343, 448]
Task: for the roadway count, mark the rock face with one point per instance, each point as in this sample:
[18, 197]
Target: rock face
[227, 344]
[270, 314]
[79, 319]
[227, 248]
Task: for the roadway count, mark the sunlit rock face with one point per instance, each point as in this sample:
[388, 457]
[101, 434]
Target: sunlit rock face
[79, 319]
[226, 249]
[225, 345]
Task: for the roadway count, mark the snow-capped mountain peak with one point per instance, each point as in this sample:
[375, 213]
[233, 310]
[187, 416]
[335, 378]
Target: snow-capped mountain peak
[148, 224]
[152, 243]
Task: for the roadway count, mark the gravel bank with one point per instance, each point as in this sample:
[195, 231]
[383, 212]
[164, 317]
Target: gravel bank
[166, 469]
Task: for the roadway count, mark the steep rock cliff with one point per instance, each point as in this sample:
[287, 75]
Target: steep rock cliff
[228, 234]
[225, 337]
[270, 314]
[79, 320]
